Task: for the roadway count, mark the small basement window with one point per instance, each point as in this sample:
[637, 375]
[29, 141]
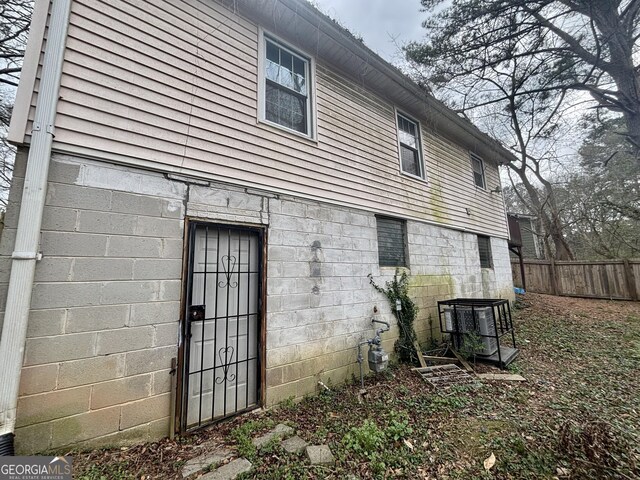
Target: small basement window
[484, 248]
[410, 148]
[478, 170]
[392, 250]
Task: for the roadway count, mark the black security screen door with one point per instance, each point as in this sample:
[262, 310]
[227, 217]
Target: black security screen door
[223, 312]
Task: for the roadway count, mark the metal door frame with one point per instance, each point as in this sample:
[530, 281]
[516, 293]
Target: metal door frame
[181, 393]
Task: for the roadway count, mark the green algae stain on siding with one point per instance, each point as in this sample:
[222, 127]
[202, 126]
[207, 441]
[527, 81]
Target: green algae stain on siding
[435, 203]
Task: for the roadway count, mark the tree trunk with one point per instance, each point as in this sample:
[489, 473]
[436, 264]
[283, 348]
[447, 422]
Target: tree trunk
[621, 66]
[546, 209]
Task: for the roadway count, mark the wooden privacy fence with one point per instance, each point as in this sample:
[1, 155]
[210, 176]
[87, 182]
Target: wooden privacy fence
[613, 279]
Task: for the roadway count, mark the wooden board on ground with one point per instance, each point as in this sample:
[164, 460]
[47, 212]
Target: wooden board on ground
[502, 376]
[439, 360]
[464, 363]
[419, 352]
[443, 376]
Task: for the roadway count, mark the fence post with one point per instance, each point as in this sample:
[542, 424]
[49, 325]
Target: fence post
[631, 280]
[554, 278]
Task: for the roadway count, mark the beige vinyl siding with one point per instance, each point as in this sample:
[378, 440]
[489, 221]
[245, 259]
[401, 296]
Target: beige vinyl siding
[174, 84]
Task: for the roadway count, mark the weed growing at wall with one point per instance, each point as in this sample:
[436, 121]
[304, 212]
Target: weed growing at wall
[398, 289]
[471, 345]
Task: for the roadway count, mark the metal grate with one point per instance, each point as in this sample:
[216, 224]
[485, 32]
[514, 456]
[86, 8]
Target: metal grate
[223, 323]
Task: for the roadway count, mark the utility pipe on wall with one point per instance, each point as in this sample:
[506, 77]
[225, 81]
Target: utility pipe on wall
[25, 254]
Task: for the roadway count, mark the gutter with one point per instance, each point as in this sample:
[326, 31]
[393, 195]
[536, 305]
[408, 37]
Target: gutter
[25, 255]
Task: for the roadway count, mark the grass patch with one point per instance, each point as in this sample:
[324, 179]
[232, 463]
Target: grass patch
[114, 471]
[243, 435]
[577, 411]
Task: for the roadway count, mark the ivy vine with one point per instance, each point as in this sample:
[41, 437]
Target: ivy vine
[398, 289]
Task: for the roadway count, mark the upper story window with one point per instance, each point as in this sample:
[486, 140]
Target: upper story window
[409, 144]
[285, 79]
[478, 170]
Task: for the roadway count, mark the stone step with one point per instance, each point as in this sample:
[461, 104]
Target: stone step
[229, 471]
[294, 444]
[280, 431]
[320, 455]
[202, 462]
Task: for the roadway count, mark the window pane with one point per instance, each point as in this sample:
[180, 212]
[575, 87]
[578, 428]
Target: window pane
[286, 69]
[298, 66]
[410, 156]
[286, 60]
[272, 71]
[410, 161]
[299, 81]
[477, 166]
[407, 126]
[273, 52]
[299, 84]
[478, 179]
[407, 139]
[285, 108]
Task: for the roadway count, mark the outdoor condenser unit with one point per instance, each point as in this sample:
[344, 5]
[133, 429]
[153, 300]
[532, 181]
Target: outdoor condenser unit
[484, 320]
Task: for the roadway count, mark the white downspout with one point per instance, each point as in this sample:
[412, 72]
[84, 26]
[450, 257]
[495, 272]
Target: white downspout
[25, 255]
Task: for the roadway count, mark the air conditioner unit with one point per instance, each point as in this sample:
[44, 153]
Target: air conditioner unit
[486, 326]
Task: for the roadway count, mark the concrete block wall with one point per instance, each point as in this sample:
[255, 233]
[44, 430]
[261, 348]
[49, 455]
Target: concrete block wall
[105, 307]
[320, 303]
[445, 263]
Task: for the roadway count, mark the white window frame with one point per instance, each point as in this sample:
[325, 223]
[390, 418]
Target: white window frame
[472, 158]
[423, 173]
[311, 85]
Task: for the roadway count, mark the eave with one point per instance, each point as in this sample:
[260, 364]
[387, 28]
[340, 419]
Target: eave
[302, 24]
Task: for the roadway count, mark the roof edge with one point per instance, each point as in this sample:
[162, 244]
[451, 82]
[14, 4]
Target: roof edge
[26, 86]
[455, 126]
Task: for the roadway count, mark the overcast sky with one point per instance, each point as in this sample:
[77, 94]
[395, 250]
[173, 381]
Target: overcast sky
[378, 22]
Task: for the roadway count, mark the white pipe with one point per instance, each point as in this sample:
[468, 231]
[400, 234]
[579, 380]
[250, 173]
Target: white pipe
[327, 389]
[14, 328]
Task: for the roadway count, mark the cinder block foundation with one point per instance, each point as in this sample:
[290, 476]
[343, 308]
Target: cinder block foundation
[106, 303]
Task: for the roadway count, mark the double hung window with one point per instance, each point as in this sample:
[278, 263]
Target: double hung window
[478, 170]
[410, 148]
[286, 77]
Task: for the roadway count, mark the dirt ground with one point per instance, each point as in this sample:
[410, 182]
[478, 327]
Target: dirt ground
[577, 416]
